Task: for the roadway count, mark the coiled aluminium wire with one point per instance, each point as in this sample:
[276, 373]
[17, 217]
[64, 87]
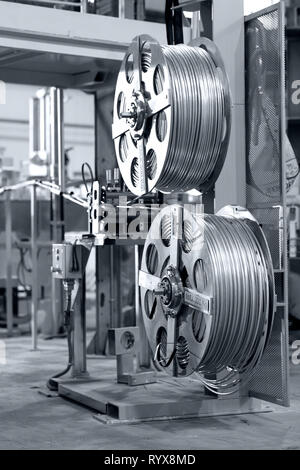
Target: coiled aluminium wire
[198, 119]
[241, 305]
[226, 259]
[186, 135]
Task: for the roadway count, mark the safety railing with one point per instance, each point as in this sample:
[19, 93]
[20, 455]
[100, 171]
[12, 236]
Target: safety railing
[34, 245]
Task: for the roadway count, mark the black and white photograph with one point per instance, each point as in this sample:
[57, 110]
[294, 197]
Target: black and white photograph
[150, 228]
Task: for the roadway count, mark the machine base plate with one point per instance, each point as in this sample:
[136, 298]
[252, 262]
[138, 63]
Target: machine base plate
[167, 399]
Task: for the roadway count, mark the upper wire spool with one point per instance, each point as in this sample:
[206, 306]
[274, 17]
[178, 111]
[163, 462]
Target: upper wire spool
[172, 116]
[225, 277]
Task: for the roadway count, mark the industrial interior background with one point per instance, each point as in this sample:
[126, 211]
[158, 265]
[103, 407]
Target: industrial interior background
[62, 63]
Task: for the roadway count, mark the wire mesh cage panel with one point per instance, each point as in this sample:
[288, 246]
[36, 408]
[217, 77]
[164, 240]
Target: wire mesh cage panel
[263, 82]
[266, 179]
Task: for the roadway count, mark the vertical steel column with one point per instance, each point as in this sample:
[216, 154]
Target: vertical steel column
[79, 368]
[103, 304]
[9, 289]
[79, 334]
[229, 36]
[144, 359]
[105, 158]
[57, 138]
[34, 282]
[57, 174]
[83, 6]
[285, 261]
[115, 287]
[127, 9]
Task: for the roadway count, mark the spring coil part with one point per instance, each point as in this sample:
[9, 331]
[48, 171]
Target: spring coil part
[182, 352]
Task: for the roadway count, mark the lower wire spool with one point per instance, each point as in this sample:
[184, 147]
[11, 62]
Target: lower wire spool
[207, 295]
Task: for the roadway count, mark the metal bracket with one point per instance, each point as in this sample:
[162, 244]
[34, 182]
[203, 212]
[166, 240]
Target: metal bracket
[124, 343]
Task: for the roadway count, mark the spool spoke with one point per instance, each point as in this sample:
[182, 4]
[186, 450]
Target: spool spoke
[148, 281]
[119, 127]
[171, 336]
[137, 72]
[157, 104]
[176, 235]
[195, 300]
[132, 148]
[143, 180]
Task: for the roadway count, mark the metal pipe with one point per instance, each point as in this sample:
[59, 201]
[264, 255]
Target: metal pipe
[34, 282]
[144, 352]
[59, 2]
[57, 140]
[9, 289]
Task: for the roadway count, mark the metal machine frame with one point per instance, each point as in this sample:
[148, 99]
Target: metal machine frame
[132, 403]
[168, 398]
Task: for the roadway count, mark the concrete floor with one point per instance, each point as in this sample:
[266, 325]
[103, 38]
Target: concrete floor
[29, 420]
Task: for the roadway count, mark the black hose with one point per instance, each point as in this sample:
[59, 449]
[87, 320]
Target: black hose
[52, 384]
[85, 181]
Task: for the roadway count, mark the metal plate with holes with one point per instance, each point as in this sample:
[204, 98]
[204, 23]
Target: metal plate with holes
[166, 246]
[143, 68]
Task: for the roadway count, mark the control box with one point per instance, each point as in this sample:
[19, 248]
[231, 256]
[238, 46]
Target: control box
[66, 261]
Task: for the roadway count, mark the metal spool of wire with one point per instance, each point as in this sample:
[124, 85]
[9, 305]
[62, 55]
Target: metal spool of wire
[172, 116]
[207, 295]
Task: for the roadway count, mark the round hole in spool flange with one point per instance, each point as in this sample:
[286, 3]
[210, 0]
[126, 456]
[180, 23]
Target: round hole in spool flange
[133, 140]
[135, 172]
[123, 148]
[198, 326]
[129, 68]
[166, 230]
[151, 164]
[165, 265]
[182, 352]
[161, 126]
[146, 57]
[120, 104]
[150, 304]
[158, 80]
[200, 277]
[187, 237]
[152, 258]
[161, 339]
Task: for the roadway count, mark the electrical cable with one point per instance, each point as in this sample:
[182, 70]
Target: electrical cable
[87, 165]
[75, 263]
[68, 287]
[52, 384]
